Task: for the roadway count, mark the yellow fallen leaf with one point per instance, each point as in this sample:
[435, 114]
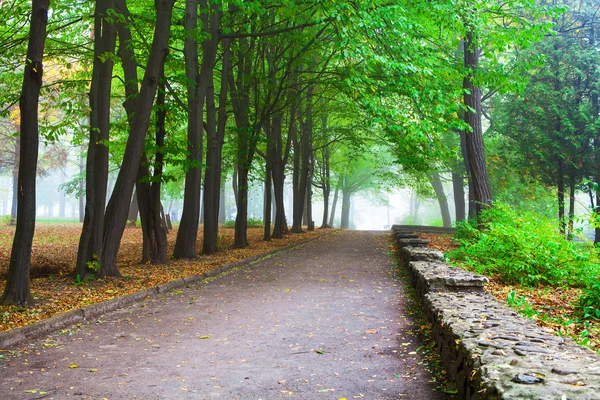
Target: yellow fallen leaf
[74, 366]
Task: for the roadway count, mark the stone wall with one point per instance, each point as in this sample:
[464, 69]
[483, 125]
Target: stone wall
[488, 349]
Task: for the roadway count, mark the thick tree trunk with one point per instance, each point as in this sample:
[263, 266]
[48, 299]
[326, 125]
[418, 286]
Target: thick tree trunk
[17, 290]
[333, 206]
[118, 206]
[90, 241]
[438, 187]
[185, 245]
[482, 191]
[458, 188]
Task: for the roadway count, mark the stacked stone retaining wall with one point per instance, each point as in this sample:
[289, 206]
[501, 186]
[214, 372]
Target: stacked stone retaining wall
[488, 349]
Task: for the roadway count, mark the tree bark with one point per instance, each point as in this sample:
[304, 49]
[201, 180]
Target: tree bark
[304, 150]
[134, 210]
[90, 241]
[333, 206]
[571, 202]
[118, 205]
[216, 122]
[268, 200]
[17, 290]
[560, 183]
[154, 229]
[346, 196]
[222, 202]
[280, 159]
[15, 181]
[482, 192]
[438, 187]
[185, 245]
[458, 189]
[81, 199]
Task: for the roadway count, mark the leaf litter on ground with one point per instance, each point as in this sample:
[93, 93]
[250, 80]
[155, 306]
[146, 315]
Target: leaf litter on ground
[54, 253]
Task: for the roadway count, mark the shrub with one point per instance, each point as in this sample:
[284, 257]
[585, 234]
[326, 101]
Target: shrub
[252, 223]
[590, 301]
[526, 248]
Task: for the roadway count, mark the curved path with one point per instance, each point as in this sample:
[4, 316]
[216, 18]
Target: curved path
[321, 321]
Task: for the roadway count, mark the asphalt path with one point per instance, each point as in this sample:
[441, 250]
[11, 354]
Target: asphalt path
[324, 320]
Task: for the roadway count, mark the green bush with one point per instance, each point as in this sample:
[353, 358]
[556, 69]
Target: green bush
[252, 223]
[590, 301]
[525, 248]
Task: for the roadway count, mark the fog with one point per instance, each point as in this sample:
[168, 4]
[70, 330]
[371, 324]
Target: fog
[368, 211]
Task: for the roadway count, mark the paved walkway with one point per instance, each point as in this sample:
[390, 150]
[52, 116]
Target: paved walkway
[321, 321]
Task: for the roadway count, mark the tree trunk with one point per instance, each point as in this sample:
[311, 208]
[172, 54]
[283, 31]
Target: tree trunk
[458, 188]
[17, 290]
[280, 159]
[234, 187]
[90, 241]
[154, 229]
[333, 206]
[134, 210]
[304, 150]
[241, 220]
[216, 122]
[571, 201]
[310, 223]
[560, 182]
[185, 245]
[222, 203]
[268, 200]
[15, 181]
[81, 199]
[482, 191]
[438, 187]
[345, 209]
[118, 205]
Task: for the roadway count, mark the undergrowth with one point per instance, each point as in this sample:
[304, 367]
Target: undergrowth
[525, 248]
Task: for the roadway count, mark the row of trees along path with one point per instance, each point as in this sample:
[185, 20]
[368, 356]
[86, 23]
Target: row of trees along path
[175, 94]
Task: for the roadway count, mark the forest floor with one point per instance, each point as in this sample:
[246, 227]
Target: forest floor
[325, 320]
[56, 289]
[551, 307]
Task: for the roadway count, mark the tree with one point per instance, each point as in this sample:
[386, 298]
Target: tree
[17, 289]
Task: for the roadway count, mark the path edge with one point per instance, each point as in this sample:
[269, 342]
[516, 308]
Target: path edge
[79, 315]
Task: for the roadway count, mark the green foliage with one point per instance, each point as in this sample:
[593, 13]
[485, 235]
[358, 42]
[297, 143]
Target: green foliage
[590, 302]
[521, 304]
[524, 247]
[252, 223]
